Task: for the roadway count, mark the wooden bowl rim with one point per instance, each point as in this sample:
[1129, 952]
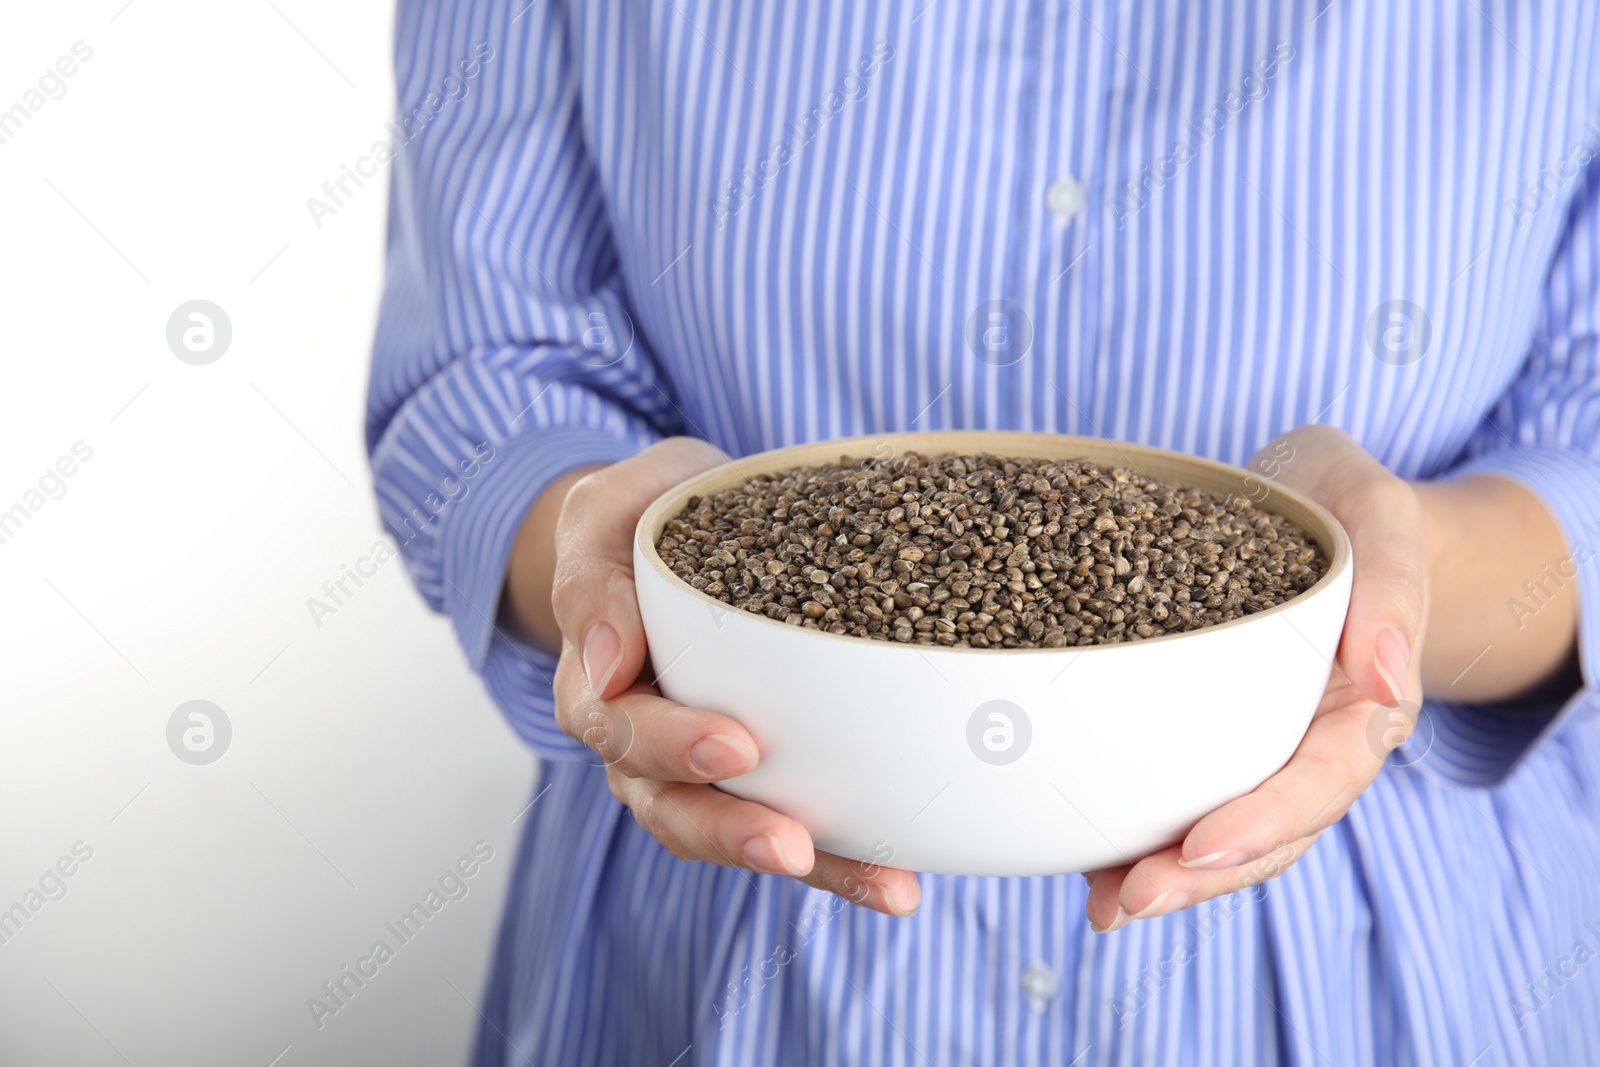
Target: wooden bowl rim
[1163, 464]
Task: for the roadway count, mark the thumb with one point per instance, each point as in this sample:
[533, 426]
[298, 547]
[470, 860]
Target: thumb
[1389, 594]
[1389, 544]
[592, 592]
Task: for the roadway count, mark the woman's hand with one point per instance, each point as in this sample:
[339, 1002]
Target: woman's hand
[1375, 680]
[660, 756]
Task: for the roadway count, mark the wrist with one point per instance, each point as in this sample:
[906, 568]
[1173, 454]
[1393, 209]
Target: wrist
[1441, 520]
[1487, 535]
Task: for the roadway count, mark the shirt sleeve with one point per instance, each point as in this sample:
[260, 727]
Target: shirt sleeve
[1545, 433]
[505, 353]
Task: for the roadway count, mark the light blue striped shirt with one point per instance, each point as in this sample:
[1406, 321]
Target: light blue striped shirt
[1193, 225]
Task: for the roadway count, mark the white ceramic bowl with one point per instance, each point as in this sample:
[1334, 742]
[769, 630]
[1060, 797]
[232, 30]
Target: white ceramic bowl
[1100, 755]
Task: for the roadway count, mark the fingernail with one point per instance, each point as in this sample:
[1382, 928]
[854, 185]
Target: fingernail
[765, 854]
[602, 654]
[1215, 861]
[894, 905]
[719, 756]
[1393, 660]
[1116, 924]
[1167, 901]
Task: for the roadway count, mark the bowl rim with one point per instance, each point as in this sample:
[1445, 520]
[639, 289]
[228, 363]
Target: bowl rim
[1324, 528]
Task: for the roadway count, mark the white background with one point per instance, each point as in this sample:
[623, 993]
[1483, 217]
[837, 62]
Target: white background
[177, 566]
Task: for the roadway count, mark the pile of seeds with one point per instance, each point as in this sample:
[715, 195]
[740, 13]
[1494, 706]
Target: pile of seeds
[987, 551]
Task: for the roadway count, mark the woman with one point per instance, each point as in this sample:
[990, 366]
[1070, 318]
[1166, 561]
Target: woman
[1364, 239]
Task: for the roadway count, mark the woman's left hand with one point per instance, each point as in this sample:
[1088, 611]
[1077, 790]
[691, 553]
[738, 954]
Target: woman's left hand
[1369, 706]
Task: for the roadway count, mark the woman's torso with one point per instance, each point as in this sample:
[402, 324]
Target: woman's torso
[843, 284]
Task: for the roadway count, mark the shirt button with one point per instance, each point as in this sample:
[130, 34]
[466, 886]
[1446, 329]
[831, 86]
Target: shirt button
[1065, 197]
[1040, 985]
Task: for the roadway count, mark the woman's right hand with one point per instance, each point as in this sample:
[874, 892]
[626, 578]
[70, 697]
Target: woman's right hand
[661, 756]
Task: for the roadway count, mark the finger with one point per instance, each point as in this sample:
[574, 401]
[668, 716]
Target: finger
[1159, 885]
[869, 885]
[1388, 539]
[1331, 767]
[1101, 906]
[699, 822]
[592, 591]
[644, 735]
